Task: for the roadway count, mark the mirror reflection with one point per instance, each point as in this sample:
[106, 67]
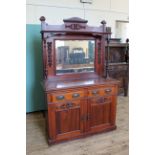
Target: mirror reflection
[74, 56]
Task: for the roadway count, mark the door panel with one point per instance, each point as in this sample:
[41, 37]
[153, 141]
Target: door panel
[99, 110]
[67, 118]
[100, 114]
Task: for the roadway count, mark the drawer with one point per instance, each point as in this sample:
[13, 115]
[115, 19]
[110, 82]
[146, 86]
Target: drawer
[100, 100]
[100, 91]
[62, 96]
[72, 104]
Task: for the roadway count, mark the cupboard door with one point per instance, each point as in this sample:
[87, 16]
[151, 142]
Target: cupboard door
[65, 119]
[101, 113]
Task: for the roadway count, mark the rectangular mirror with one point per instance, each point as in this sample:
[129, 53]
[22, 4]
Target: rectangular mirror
[74, 56]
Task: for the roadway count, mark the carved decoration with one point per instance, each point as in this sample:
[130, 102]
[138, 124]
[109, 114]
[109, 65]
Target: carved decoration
[99, 53]
[49, 45]
[45, 68]
[75, 26]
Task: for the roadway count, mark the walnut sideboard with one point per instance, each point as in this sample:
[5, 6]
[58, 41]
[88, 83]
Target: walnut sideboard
[80, 101]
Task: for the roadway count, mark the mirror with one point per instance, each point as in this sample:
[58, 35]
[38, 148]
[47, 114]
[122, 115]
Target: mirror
[74, 56]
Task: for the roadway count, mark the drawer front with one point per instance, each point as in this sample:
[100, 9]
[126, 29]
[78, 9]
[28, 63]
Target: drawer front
[62, 96]
[100, 91]
[101, 100]
[72, 104]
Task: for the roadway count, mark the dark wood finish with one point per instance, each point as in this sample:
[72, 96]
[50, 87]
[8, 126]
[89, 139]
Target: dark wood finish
[78, 104]
[118, 63]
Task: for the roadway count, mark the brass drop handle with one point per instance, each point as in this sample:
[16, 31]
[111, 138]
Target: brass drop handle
[75, 95]
[100, 100]
[63, 106]
[61, 97]
[108, 90]
[69, 105]
[94, 92]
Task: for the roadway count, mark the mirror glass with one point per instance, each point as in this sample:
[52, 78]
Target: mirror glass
[74, 56]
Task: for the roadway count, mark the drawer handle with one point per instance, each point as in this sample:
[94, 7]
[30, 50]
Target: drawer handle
[101, 100]
[69, 105]
[75, 95]
[108, 90]
[94, 92]
[63, 106]
[61, 97]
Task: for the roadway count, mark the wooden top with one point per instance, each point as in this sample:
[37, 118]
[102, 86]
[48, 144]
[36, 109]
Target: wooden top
[50, 85]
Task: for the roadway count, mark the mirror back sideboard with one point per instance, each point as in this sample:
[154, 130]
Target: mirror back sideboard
[80, 101]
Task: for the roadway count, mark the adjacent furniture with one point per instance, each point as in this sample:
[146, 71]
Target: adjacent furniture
[80, 101]
[118, 63]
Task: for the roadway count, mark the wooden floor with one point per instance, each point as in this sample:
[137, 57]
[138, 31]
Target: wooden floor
[109, 143]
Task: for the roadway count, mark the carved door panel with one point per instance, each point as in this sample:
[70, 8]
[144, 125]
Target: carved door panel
[100, 113]
[65, 119]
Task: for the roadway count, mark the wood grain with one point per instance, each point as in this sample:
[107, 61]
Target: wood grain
[109, 143]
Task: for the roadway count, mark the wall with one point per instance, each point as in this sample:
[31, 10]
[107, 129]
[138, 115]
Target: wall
[55, 11]
[122, 30]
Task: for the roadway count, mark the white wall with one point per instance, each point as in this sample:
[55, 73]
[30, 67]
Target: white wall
[122, 30]
[56, 10]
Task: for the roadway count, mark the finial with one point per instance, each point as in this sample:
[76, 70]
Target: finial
[127, 40]
[42, 18]
[103, 22]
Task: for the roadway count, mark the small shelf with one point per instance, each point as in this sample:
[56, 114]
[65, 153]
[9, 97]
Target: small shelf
[118, 63]
[117, 45]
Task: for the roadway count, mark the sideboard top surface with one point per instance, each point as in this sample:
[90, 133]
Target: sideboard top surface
[50, 85]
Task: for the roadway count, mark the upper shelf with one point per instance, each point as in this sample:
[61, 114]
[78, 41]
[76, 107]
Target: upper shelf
[117, 44]
[118, 63]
